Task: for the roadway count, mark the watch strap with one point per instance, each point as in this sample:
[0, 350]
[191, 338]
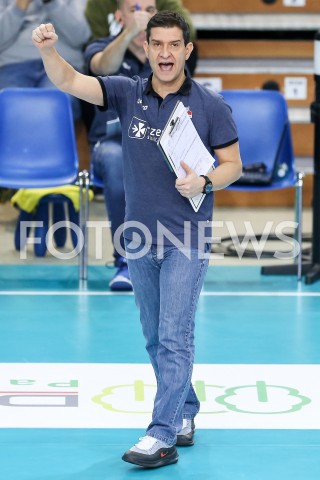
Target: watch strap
[207, 180]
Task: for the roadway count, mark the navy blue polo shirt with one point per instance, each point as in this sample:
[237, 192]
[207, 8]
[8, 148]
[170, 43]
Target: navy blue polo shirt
[151, 196]
[130, 66]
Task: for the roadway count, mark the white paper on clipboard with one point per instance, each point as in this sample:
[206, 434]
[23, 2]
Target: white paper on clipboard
[180, 141]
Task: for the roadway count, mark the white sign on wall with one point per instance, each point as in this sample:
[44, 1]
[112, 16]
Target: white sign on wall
[294, 3]
[295, 88]
[213, 83]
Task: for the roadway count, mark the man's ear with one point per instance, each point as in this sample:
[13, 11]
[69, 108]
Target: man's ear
[146, 48]
[189, 48]
[118, 16]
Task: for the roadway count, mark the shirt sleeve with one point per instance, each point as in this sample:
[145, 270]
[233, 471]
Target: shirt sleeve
[116, 92]
[11, 20]
[223, 128]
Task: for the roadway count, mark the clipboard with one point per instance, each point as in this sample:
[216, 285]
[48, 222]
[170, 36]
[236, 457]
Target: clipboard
[180, 141]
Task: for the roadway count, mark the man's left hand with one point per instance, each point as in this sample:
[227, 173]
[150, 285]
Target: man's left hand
[191, 185]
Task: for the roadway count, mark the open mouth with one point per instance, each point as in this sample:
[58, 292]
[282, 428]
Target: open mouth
[166, 66]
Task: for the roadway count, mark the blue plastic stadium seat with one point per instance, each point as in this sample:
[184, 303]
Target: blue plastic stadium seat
[38, 146]
[265, 138]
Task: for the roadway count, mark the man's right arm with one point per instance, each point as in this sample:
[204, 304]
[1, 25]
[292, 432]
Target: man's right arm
[60, 72]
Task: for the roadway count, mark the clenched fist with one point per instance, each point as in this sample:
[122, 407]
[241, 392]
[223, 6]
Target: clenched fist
[44, 36]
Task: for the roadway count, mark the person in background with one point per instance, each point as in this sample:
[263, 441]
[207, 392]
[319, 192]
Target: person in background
[168, 271]
[103, 22]
[122, 54]
[20, 63]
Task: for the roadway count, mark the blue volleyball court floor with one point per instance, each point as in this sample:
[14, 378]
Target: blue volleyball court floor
[76, 387]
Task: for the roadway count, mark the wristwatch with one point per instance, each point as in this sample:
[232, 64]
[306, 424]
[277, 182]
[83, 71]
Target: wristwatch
[208, 187]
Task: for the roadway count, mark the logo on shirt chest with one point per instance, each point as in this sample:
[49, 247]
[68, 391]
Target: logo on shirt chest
[139, 129]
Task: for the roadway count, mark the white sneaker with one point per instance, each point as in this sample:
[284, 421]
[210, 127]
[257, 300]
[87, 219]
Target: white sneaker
[148, 445]
[186, 434]
[151, 453]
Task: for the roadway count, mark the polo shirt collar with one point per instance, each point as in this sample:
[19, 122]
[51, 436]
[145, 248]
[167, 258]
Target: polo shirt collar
[183, 90]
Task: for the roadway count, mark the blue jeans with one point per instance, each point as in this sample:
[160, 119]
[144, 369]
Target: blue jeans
[166, 291]
[31, 74]
[107, 160]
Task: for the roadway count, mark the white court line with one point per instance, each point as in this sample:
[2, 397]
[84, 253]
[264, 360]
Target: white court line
[202, 294]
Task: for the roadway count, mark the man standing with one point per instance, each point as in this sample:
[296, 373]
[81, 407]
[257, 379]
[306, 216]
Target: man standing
[168, 276]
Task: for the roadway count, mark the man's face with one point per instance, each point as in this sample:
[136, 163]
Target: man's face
[125, 15]
[167, 53]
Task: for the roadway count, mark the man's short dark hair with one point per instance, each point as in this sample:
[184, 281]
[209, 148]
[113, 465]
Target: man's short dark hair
[168, 19]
